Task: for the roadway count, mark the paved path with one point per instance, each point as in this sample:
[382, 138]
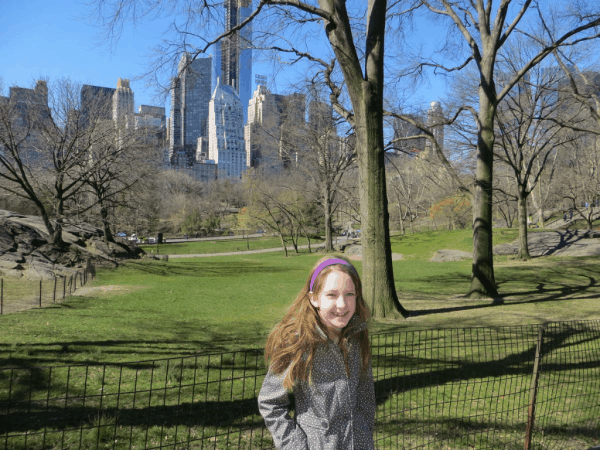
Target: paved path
[245, 252]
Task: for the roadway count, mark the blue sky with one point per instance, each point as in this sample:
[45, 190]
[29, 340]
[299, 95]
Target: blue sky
[43, 38]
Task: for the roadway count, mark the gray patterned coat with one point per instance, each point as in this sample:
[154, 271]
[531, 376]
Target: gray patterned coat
[335, 412]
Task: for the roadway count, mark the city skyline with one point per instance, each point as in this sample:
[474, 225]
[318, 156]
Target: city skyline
[52, 41]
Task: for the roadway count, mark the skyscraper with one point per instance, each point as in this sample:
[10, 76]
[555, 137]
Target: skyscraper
[190, 96]
[226, 132]
[234, 64]
[122, 103]
[97, 102]
[435, 119]
[261, 132]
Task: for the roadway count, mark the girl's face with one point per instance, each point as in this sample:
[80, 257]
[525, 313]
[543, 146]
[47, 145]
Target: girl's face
[336, 302]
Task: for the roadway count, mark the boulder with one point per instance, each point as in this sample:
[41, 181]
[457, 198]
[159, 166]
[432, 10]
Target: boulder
[353, 250]
[37, 270]
[10, 265]
[13, 257]
[25, 247]
[450, 255]
[506, 249]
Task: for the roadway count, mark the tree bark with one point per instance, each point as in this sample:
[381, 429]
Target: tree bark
[366, 94]
[483, 283]
[327, 208]
[108, 237]
[401, 219]
[523, 244]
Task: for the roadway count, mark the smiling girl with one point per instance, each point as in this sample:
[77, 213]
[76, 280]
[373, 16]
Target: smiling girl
[320, 352]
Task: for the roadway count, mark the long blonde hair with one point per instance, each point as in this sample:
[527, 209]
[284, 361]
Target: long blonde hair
[292, 343]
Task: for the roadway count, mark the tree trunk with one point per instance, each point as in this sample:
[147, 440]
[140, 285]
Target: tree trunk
[283, 245]
[483, 283]
[108, 237]
[401, 220]
[366, 94]
[327, 208]
[378, 280]
[523, 245]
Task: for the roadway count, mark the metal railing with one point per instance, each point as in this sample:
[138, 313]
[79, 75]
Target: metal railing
[483, 388]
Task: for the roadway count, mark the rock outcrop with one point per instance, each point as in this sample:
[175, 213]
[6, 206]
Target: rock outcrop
[450, 255]
[26, 251]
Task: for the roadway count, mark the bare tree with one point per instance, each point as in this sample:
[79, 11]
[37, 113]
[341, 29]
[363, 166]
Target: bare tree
[527, 139]
[354, 73]
[482, 31]
[47, 136]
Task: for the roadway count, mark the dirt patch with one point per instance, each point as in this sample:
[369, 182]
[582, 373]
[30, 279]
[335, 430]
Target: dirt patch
[105, 291]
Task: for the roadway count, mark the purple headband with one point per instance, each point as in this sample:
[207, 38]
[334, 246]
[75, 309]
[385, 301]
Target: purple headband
[320, 267]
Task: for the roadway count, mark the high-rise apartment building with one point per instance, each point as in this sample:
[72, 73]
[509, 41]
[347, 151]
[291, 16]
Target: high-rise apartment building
[234, 56]
[435, 119]
[122, 104]
[190, 96]
[274, 129]
[320, 115]
[97, 102]
[30, 108]
[404, 129]
[226, 132]
[262, 130]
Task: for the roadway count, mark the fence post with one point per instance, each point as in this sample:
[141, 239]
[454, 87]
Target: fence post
[1, 295]
[64, 286]
[54, 291]
[40, 292]
[534, 386]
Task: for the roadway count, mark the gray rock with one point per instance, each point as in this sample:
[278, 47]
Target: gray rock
[7, 265]
[450, 255]
[505, 249]
[37, 270]
[12, 273]
[353, 250]
[13, 257]
[24, 249]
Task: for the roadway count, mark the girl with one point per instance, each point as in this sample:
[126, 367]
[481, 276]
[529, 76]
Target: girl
[320, 351]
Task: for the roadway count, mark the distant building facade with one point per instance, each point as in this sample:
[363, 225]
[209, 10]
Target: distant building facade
[226, 145]
[190, 96]
[29, 107]
[234, 54]
[122, 104]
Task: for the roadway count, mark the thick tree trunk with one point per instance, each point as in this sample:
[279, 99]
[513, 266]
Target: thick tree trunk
[377, 275]
[366, 94]
[483, 283]
[523, 245]
[108, 237]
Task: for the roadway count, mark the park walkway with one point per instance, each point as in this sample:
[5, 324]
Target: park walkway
[246, 252]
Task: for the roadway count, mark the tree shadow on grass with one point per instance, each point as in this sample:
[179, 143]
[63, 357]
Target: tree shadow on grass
[221, 393]
[206, 268]
[545, 290]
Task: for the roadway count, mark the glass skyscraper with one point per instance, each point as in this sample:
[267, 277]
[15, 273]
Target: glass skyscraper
[190, 95]
[234, 55]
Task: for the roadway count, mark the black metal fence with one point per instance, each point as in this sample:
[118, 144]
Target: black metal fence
[481, 388]
[17, 294]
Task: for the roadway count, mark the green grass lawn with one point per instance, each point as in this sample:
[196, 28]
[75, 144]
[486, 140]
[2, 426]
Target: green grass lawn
[155, 309]
[147, 310]
[221, 245]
